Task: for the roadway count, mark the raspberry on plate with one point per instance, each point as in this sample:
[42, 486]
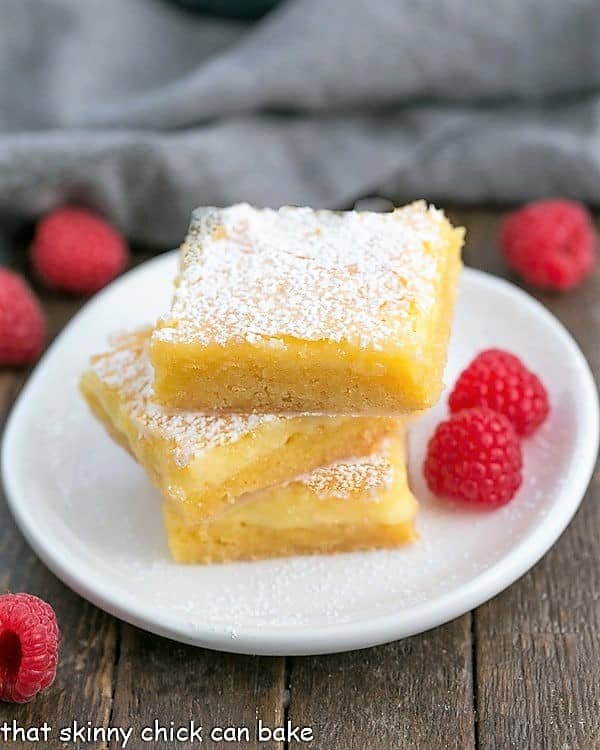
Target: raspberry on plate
[77, 251]
[499, 380]
[29, 638]
[22, 323]
[551, 243]
[474, 456]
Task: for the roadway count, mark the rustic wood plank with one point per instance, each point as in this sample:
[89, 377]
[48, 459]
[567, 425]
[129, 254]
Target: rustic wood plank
[537, 645]
[156, 677]
[416, 693]
[160, 679]
[538, 648]
[83, 687]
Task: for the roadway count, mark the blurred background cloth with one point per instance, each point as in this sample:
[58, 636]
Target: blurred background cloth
[144, 110]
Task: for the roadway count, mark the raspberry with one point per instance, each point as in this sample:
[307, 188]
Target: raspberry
[551, 243]
[474, 456]
[500, 381]
[22, 324]
[28, 647]
[77, 251]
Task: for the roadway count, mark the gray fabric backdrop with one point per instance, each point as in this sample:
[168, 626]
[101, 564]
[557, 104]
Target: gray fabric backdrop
[146, 111]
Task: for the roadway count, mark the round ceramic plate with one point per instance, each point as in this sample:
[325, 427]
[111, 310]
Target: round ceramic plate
[89, 512]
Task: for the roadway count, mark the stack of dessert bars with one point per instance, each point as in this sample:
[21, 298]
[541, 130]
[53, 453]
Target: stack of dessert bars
[269, 406]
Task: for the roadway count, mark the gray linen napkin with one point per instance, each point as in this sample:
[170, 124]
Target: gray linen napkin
[145, 110]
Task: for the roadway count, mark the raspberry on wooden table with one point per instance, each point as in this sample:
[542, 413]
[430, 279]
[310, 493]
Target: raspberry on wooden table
[29, 639]
[474, 456]
[22, 323]
[77, 251]
[499, 380]
[551, 244]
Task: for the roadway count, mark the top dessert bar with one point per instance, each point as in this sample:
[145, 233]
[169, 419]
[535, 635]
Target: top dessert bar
[298, 310]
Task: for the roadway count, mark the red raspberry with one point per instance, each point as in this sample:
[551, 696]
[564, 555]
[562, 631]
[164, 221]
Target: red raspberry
[474, 456]
[28, 647]
[22, 324]
[551, 243]
[500, 381]
[77, 251]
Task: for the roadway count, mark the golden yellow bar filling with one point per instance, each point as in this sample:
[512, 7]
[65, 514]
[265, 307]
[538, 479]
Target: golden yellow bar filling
[356, 504]
[298, 310]
[201, 463]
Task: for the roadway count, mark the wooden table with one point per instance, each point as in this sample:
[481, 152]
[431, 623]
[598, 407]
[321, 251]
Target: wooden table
[522, 671]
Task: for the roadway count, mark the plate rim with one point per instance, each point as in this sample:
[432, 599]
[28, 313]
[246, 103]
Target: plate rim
[328, 638]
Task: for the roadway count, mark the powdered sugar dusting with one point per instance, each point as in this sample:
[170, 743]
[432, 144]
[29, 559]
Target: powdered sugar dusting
[369, 475]
[127, 369]
[256, 274]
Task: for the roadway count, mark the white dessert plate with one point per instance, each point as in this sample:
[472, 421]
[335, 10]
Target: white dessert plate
[90, 514]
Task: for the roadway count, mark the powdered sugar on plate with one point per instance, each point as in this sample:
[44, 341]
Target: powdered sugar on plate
[93, 518]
